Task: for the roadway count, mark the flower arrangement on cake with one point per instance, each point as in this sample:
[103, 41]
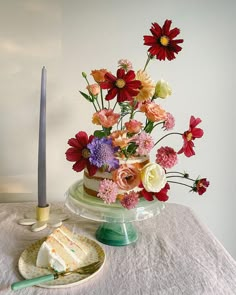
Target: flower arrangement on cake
[115, 158]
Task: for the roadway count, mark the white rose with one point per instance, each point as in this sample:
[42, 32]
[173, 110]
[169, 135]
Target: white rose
[162, 89]
[153, 177]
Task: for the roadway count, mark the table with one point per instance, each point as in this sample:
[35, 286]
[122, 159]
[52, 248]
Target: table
[175, 254]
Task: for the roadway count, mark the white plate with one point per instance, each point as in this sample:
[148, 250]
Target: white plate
[28, 269]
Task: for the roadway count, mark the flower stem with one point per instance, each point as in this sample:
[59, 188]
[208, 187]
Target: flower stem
[181, 183]
[166, 136]
[147, 62]
[102, 98]
[114, 106]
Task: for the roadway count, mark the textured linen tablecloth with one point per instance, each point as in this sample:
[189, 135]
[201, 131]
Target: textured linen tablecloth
[175, 254]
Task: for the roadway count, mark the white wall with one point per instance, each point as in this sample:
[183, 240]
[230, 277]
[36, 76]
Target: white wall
[69, 37]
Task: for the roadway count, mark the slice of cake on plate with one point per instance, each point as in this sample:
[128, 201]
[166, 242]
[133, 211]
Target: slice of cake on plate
[61, 251]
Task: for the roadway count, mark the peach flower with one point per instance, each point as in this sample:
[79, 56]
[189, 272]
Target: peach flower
[106, 117]
[98, 75]
[154, 112]
[119, 138]
[93, 89]
[133, 126]
[126, 177]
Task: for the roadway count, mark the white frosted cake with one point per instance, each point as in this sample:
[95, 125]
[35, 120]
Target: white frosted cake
[61, 251]
[91, 183]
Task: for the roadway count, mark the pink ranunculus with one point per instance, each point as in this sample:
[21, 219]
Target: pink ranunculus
[126, 177]
[93, 89]
[154, 112]
[133, 126]
[106, 117]
[166, 157]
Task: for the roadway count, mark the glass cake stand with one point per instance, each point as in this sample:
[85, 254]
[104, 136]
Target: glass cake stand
[117, 228]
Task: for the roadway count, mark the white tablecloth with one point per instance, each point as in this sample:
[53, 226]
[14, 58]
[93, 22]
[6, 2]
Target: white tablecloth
[175, 254]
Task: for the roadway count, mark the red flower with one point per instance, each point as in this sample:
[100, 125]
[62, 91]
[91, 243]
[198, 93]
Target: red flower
[161, 195]
[190, 135]
[162, 42]
[124, 85]
[79, 153]
[201, 185]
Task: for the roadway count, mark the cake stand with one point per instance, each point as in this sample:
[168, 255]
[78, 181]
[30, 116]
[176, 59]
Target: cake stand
[117, 227]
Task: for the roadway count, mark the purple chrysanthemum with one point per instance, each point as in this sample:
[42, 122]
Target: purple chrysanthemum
[102, 153]
[108, 191]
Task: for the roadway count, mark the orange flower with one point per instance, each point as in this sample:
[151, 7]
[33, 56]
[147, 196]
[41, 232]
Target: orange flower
[98, 75]
[147, 86]
[119, 138]
[133, 126]
[126, 177]
[154, 112]
[106, 117]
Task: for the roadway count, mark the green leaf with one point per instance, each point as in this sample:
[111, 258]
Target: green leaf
[149, 127]
[99, 133]
[86, 96]
[132, 148]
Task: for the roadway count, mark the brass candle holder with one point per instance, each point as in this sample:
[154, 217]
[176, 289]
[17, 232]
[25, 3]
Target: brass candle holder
[41, 218]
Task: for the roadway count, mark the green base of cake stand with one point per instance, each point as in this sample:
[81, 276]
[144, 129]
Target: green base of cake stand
[116, 234]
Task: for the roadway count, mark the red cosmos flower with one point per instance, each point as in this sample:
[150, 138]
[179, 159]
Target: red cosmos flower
[79, 153]
[200, 186]
[190, 135]
[162, 42]
[161, 195]
[124, 85]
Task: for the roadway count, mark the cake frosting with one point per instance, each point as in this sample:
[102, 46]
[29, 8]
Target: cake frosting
[61, 251]
[91, 183]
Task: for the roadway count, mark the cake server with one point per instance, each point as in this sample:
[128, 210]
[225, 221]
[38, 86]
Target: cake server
[87, 269]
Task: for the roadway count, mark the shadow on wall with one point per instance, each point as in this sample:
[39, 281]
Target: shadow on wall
[18, 188]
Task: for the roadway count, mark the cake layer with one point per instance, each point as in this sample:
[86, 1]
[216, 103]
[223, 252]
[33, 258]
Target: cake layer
[91, 183]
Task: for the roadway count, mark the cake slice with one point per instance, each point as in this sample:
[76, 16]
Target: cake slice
[61, 251]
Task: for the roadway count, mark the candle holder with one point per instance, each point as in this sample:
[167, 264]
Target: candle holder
[40, 218]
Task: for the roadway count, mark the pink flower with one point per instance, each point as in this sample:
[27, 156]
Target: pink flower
[133, 126]
[130, 200]
[126, 177]
[190, 135]
[125, 64]
[108, 191]
[93, 89]
[144, 142]
[169, 122]
[106, 117]
[166, 157]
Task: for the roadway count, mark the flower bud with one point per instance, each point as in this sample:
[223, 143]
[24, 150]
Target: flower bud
[84, 74]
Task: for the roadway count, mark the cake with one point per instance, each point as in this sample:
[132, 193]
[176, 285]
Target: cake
[128, 123]
[61, 251]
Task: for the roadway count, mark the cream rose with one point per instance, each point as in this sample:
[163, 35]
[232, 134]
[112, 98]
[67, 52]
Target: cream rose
[162, 89]
[153, 177]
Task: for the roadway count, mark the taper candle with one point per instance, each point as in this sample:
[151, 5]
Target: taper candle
[42, 202]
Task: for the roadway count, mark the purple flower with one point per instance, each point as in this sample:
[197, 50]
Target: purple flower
[102, 153]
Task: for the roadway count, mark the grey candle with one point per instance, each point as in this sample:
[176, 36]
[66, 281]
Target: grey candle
[42, 202]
